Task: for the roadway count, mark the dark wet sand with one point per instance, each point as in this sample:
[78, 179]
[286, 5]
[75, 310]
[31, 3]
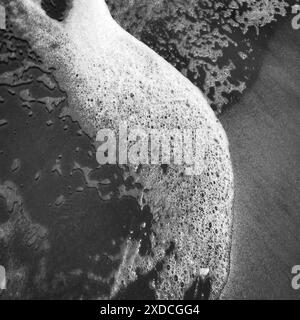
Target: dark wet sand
[263, 130]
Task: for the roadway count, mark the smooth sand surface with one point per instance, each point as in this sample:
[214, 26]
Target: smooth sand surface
[263, 130]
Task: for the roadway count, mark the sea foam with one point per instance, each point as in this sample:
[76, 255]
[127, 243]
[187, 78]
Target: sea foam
[110, 77]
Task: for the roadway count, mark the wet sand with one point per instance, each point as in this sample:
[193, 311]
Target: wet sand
[263, 130]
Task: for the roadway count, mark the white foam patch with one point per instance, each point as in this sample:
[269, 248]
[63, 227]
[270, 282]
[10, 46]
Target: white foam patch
[109, 77]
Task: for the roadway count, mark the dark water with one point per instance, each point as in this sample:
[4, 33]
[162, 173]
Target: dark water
[56, 9]
[63, 219]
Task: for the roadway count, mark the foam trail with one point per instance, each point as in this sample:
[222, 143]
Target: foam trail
[110, 77]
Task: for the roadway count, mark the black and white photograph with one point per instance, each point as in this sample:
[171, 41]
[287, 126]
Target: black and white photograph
[149, 151]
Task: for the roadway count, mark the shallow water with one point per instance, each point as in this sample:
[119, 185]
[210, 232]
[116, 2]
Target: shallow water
[63, 219]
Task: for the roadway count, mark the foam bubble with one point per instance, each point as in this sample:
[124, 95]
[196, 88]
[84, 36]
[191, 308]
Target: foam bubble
[110, 77]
